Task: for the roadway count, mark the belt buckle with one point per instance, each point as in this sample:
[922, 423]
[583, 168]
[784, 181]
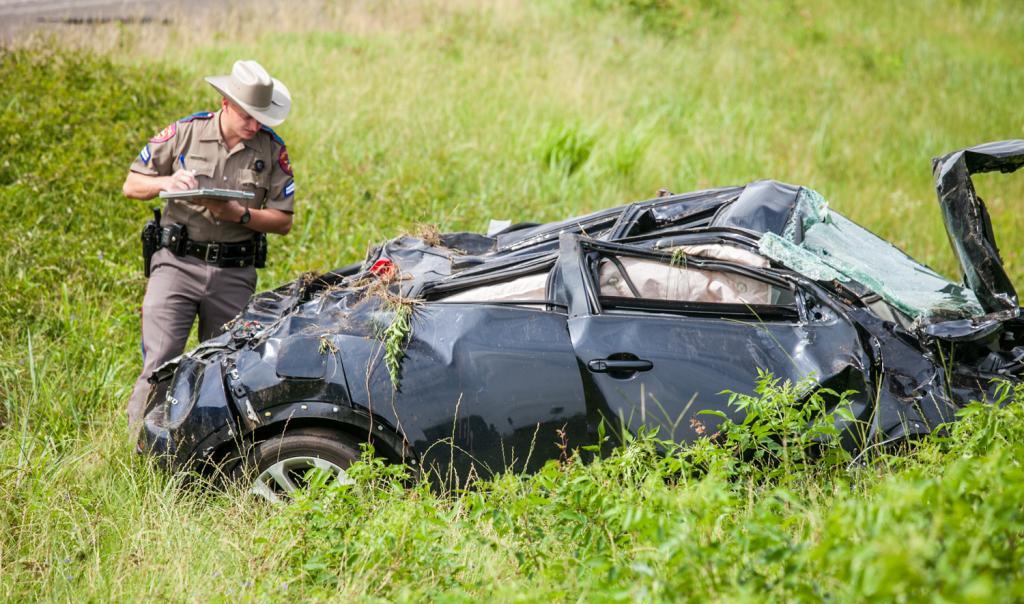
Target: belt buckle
[212, 253]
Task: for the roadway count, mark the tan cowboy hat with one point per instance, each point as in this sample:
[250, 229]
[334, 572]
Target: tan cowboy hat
[251, 87]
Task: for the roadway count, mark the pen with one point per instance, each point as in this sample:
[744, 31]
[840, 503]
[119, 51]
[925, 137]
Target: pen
[181, 160]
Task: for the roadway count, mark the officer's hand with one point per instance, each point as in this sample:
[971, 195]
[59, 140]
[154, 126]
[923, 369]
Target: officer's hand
[224, 210]
[182, 180]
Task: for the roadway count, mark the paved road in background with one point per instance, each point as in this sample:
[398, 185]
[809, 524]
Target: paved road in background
[13, 11]
[18, 17]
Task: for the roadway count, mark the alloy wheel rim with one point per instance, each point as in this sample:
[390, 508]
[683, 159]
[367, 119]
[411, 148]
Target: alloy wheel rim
[280, 480]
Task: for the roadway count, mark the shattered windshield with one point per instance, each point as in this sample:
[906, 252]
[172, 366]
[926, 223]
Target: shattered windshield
[824, 245]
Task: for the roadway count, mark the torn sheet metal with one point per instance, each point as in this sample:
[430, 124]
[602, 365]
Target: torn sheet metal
[968, 223]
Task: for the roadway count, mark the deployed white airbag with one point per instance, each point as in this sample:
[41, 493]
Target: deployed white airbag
[660, 281]
[528, 287]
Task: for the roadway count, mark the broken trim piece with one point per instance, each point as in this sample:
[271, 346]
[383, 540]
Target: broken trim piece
[968, 223]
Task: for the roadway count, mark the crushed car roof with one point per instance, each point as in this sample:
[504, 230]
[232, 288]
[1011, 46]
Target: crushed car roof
[790, 224]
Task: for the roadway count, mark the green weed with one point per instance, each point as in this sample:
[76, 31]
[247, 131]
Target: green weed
[395, 336]
[786, 429]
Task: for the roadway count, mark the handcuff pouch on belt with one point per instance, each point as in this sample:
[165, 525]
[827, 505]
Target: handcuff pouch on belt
[174, 237]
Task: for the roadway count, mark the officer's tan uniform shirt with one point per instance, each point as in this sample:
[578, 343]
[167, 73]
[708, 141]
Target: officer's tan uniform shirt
[195, 143]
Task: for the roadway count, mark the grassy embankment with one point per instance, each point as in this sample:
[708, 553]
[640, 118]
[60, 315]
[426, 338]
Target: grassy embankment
[450, 114]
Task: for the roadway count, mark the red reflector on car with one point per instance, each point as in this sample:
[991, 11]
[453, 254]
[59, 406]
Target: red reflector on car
[383, 267]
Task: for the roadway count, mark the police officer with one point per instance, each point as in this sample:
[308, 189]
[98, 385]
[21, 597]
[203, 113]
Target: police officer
[210, 272]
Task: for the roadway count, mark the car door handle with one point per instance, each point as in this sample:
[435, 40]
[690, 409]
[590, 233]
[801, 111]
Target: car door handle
[623, 365]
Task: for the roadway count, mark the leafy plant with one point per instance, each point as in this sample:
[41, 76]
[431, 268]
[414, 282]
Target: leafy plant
[395, 335]
[785, 427]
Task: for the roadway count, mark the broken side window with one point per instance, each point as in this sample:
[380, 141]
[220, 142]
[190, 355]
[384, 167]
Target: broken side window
[622, 276]
[522, 288]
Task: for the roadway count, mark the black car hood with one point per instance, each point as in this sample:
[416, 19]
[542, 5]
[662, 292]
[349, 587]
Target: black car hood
[968, 223]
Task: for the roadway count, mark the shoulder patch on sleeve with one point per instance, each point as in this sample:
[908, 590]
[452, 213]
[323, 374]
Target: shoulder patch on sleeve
[282, 160]
[145, 155]
[166, 134]
[272, 134]
[202, 115]
[289, 189]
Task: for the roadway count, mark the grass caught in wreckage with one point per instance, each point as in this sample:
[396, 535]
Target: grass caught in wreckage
[847, 101]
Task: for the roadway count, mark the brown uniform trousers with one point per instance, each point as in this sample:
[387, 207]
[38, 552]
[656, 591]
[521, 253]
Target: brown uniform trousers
[182, 287]
[179, 288]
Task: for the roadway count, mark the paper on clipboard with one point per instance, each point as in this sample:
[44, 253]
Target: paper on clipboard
[208, 194]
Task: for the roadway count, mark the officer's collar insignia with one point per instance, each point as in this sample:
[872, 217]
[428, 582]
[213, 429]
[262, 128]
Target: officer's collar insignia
[282, 160]
[271, 132]
[144, 155]
[165, 135]
[202, 115]
[258, 166]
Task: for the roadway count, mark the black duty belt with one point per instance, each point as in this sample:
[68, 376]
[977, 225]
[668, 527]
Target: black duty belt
[240, 254]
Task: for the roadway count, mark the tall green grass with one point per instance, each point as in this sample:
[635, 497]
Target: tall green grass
[451, 113]
[655, 522]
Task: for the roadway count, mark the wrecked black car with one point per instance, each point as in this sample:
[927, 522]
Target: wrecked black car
[465, 354]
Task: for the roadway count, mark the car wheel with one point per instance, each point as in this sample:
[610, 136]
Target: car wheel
[281, 464]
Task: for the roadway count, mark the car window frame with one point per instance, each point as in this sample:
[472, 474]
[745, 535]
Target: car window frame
[501, 275]
[589, 252]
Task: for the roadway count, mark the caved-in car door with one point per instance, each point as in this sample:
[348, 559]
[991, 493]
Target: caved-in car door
[488, 381]
[659, 337]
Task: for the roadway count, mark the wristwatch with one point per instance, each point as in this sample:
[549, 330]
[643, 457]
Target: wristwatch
[246, 216]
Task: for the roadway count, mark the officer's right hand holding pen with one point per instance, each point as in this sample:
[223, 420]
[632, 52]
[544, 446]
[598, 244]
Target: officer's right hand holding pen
[182, 180]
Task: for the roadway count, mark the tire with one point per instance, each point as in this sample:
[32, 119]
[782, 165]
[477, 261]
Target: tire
[276, 467]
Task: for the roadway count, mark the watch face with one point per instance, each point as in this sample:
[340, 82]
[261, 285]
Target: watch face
[245, 217]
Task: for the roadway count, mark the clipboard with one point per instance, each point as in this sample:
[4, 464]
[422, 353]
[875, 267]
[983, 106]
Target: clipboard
[209, 194]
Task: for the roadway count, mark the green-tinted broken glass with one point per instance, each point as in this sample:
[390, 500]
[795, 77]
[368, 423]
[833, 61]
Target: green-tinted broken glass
[797, 258]
[829, 243]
